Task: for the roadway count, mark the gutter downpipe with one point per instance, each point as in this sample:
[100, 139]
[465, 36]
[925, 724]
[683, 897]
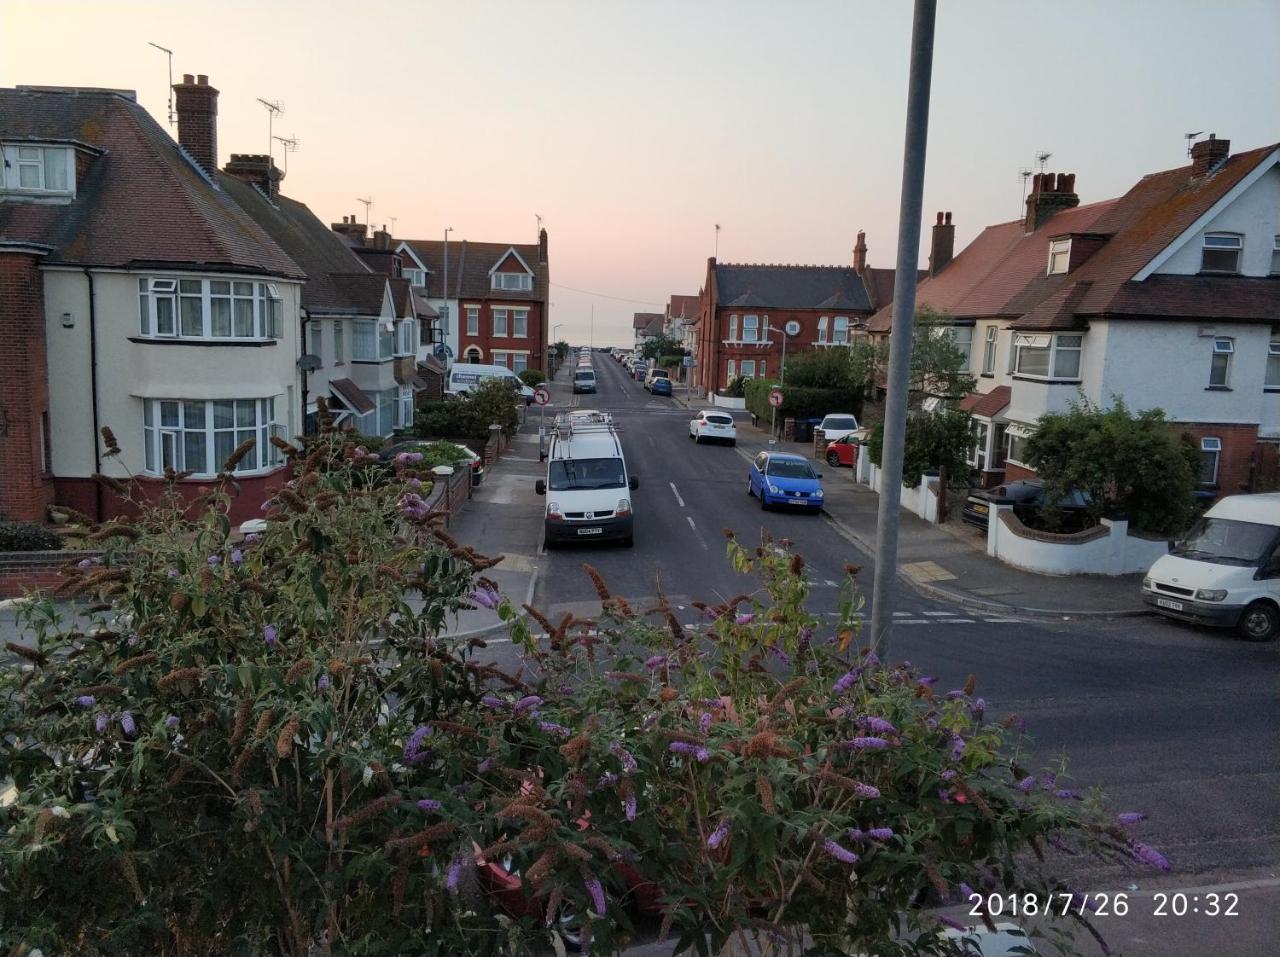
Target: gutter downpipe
[93, 393]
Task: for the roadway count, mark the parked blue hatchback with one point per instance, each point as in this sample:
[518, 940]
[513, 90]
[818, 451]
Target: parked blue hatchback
[660, 387]
[779, 478]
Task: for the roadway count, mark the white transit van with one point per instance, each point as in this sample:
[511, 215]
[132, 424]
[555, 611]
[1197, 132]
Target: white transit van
[1226, 570]
[588, 487]
[465, 376]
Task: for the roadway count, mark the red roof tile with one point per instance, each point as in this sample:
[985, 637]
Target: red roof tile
[987, 404]
[469, 266]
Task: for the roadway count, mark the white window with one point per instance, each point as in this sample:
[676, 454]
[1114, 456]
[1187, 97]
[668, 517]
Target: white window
[1221, 252]
[760, 370]
[520, 323]
[1220, 364]
[512, 280]
[406, 338]
[1048, 357]
[733, 328]
[315, 338]
[386, 338]
[339, 345]
[731, 371]
[1015, 447]
[404, 408]
[749, 368]
[371, 342]
[417, 277]
[382, 420]
[473, 320]
[989, 351]
[750, 329]
[962, 338]
[1275, 257]
[1272, 380]
[519, 362]
[1210, 455]
[199, 436]
[1059, 256]
[1066, 356]
[978, 451]
[209, 309]
[822, 328]
[38, 169]
[840, 331]
[501, 322]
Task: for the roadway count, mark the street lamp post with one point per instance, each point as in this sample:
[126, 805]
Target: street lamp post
[553, 336]
[789, 329]
[444, 289]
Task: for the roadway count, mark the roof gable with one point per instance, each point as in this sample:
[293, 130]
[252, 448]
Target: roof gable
[500, 265]
[470, 269]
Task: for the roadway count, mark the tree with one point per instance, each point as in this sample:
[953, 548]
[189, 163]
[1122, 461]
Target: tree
[939, 368]
[469, 417]
[1132, 465]
[533, 377]
[661, 345]
[934, 441]
[561, 348]
[831, 368]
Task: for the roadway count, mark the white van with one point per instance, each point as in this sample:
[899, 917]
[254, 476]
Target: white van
[465, 376]
[588, 487]
[1226, 570]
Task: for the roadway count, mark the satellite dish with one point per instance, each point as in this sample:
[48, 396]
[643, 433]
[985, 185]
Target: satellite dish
[442, 351]
[308, 362]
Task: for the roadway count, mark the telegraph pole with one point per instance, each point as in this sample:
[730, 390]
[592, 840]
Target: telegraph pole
[904, 309]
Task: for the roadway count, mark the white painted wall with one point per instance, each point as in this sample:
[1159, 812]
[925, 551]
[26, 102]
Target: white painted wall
[129, 371]
[1117, 553]
[1255, 213]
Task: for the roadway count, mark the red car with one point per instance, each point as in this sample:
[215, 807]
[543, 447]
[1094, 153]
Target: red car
[843, 451]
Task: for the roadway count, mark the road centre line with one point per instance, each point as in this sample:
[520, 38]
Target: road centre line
[676, 492]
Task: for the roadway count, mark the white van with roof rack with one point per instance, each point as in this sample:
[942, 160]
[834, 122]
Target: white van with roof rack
[588, 486]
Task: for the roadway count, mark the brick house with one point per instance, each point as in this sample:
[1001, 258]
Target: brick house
[495, 306]
[135, 293]
[646, 326]
[743, 309]
[1168, 296]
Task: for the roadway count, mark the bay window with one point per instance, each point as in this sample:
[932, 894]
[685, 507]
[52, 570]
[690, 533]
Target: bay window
[405, 338]
[199, 435]
[382, 419]
[373, 341]
[1048, 356]
[822, 329]
[519, 362]
[1015, 444]
[733, 328]
[962, 339]
[404, 409]
[209, 309]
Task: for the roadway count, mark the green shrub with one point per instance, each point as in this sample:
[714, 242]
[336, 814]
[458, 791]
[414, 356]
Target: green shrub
[533, 377]
[28, 537]
[670, 361]
[373, 443]
[469, 417]
[934, 441]
[800, 402]
[734, 388]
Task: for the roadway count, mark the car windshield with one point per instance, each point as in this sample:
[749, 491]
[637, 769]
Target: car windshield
[586, 474]
[790, 468]
[584, 375]
[839, 422]
[660, 374]
[1226, 541]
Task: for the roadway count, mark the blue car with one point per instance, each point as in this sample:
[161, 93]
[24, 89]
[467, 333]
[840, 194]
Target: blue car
[779, 478]
[660, 387]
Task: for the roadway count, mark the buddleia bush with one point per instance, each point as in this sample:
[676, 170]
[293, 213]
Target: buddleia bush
[262, 747]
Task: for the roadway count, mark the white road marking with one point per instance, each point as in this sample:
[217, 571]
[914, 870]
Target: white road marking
[955, 621]
[829, 583]
[912, 621]
[902, 614]
[1002, 621]
[939, 614]
[689, 519]
[676, 492]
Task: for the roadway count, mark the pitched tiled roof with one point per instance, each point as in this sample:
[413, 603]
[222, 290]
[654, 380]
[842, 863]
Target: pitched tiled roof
[309, 242]
[469, 266]
[683, 307]
[642, 320]
[140, 200]
[751, 286]
[362, 292]
[987, 404]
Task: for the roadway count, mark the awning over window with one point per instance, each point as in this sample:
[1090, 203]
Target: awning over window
[354, 398]
[1020, 430]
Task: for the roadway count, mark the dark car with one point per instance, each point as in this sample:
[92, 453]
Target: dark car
[1027, 499]
[660, 387]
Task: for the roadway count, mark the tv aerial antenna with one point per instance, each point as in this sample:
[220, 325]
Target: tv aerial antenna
[1191, 139]
[274, 109]
[1024, 174]
[1042, 158]
[368, 204]
[166, 50]
[290, 144]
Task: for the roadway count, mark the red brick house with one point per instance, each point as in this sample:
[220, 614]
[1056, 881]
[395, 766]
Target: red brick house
[744, 308]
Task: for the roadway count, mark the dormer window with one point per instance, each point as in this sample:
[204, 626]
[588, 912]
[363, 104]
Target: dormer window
[513, 281]
[38, 169]
[416, 277]
[1221, 252]
[1059, 256]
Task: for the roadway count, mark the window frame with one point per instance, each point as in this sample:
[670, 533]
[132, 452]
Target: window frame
[750, 327]
[1271, 377]
[839, 332]
[339, 343]
[1024, 344]
[519, 323]
[1275, 256]
[498, 282]
[1228, 242]
[1210, 445]
[731, 370]
[822, 330]
[989, 350]
[733, 327]
[166, 445]
[473, 320]
[47, 155]
[505, 315]
[371, 330]
[743, 366]
[1059, 254]
[981, 432]
[963, 344]
[405, 341]
[265, 304]
[1224, 349]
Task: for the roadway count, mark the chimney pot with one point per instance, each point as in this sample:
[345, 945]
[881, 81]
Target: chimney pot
[948, 219]
[188, 79]
[1051, 193]
[942, 250]
[202, 79]
[939, 222]
[197, 107]
[1208, 155]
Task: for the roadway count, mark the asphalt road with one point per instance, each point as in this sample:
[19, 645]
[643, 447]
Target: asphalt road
[1180, 723]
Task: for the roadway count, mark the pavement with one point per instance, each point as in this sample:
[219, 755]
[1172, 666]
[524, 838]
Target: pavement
[949, 562]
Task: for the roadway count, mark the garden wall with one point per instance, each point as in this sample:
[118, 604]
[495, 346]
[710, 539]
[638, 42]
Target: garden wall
[1108, 549]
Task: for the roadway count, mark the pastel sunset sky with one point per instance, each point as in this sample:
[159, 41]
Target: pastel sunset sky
[632, 128]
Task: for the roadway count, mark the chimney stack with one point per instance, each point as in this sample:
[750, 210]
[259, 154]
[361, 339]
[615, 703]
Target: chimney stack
[860, 253]
[351, 230]
[258, 169]
[381, 238]
[944, 244]
[1050, 194]
[196, 103]
[542, 246]
[1208, 155]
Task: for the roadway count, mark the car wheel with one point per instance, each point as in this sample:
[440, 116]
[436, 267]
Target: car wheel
[697, 439]
[1260, 622]
[833, 460]
[764, 501]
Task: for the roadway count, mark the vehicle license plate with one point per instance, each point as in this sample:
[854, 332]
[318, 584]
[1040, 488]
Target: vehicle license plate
[1167, 603]
[591, 531]
[981, 509]
[798, 501]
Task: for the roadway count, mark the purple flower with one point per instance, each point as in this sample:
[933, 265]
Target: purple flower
[657, 661]
[84, 564]
[955, 695]
[866, 744]
[492, 701]
[454, 875]
[805, 637]
[102, 722]
[1129, 818]
[846, 680]
[269, 634]
[485, 597]
[948, 775]
[550, 727]
[322, 683]
[172, 573]
[1150, 856]
[596, 890]
[413, 506]
[744, 619]
[957, 748]
[127, 725]
[527, 702]
[1027, 783]
[951, 922]
[413, 753]
[880, 834]
[1087, 901]
[719, 834]
[944, 795]
[237, 556]
[927, 681]
[866, 790]
[629, 807]
[214, 560]
[1048, 781]
[429, 805]
[172, 721]
[684, 747]
[978, 708]
[628, 762]
[872, 660]
[966, 891]
[878, 725]
[268, 505]
[842, 854]
[251, 538]
[855, 834]
[704, 723]
[485, 766]
[607, 780]
[782, 656]
[86, 701]
[132, 641]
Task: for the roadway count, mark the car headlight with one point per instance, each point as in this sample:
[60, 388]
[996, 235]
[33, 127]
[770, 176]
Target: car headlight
[553, 508]
[624, 506]
[1146, 583]
[773, 489]
[818, 494]
[1211, 594]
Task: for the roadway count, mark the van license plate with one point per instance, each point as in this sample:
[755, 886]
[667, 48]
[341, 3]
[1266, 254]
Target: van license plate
[981, 509]
[597, 531]
[1171, 605]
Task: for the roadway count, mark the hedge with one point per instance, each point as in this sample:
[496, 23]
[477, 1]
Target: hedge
[800, 402]
[28, 537]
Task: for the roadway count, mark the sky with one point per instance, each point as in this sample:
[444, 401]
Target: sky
[633, 128]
